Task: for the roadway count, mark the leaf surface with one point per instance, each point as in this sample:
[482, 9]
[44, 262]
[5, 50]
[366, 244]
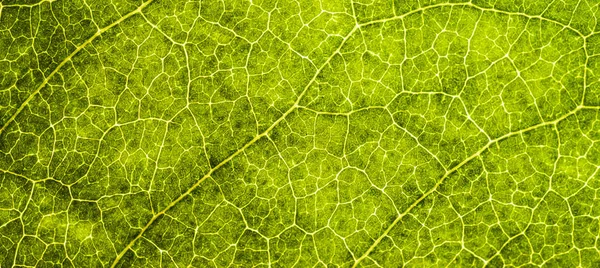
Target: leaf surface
[299, 133]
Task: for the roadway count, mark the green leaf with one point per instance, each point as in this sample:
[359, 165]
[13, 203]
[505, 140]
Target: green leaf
[347, 133]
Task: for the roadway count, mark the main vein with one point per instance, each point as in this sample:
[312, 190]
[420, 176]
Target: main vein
[254, 140]
[239, 151]
[454, 169]
[491, 142]
[67, 59]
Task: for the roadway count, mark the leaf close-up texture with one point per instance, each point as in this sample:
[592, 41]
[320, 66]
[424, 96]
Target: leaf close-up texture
[300, 133]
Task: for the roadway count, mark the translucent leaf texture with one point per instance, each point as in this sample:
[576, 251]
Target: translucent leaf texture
[350, 133]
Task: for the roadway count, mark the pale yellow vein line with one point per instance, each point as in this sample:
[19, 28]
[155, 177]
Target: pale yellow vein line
[455, 168]
[67, 59]
[26, 5]
[236, 153]
[484, 9]
[16, 175]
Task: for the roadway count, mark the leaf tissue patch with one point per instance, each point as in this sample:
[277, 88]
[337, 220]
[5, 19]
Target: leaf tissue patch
[299, 133]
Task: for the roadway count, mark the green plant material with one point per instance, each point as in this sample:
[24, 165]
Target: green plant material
[288, 133]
